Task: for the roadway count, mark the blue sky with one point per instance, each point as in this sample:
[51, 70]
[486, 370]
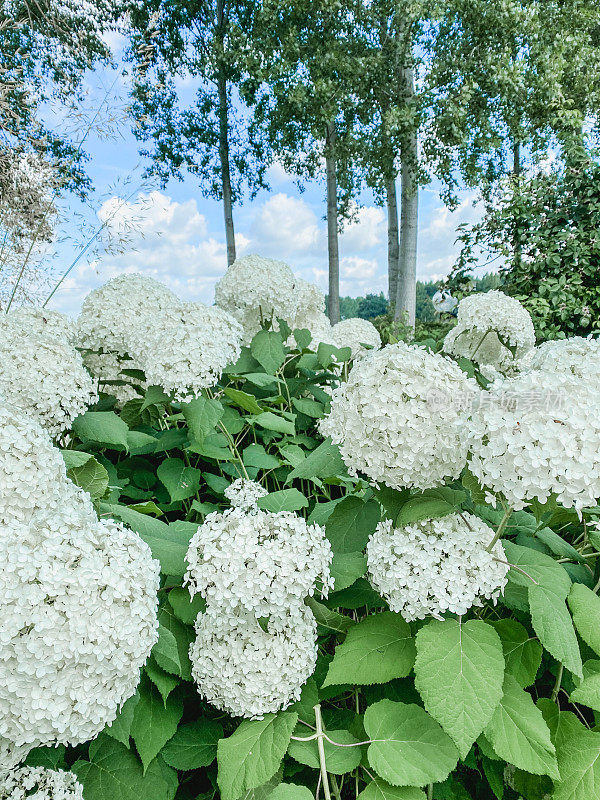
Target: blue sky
[176, 235]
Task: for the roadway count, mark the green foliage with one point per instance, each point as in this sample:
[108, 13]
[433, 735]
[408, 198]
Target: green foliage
[403, 706]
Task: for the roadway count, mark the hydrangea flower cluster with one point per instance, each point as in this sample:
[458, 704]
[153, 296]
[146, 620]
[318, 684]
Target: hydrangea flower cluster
[400, 418]
[39, 783]
[78, 603]
[261, 561]
[355, 333]
[574, 356]
[434, 566]
[538, 435]
[188, 348]
[248, 671]
[10, 756]
[32, 471]
[43, 322]
[252, 566]
[45, 376]
[244, 494]
[256, 289]
[107, 369]
[492, 328]
[311, 304]
[78, 621]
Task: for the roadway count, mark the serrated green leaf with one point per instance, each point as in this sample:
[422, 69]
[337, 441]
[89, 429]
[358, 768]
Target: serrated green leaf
[519, 734]
[164, 681]
[115, 773]
[104, 427]
[202, 416]
[578, 752]
[267, 349]
[120, 728]
[339, 760]
[459, 673]
[48, 757]
[328, 618]
[376, 650]
[184, 636]
[351, 523]
[324, 462]
[185, 608]
[252, 754]
[180, 481]
[378, 789]
[585, 608]
[255, 455]
[273, 422]
[89, 474]
[166, 652]
[290, 791]
[588, 691]
[346, 568]
[311, 408]
[243, 400]
[194, 745]
[522, 652]
[283, 500]
[154, 721]
[409, 747]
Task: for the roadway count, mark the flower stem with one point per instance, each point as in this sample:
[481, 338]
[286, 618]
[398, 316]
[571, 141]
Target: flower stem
[501, 528]
[321, 748]
[557, 683]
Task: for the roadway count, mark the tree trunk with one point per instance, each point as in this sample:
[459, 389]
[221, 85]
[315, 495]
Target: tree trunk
[332, 226]
[516, 174]
[224, 139]
[406, 297]
[393, 241]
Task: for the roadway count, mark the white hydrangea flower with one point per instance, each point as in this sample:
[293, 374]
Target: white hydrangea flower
[78, 619]
[320, 330]
[574, 356]
[32, 471]
[259, 561]
[11, 756]
[487, 322]
[436, 566]
[188, 348]
[244, 494]
[256, 289]
[355, 333]
[107, 369]
[247, 671]
[400, 417]
[120, 315]
[40, 783]
[537, 435]
[45, 377]
[42, 321]
[311, 304]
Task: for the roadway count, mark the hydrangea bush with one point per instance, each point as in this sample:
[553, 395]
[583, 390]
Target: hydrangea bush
[379, 573]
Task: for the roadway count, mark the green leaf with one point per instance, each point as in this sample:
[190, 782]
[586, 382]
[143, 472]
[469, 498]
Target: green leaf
[168, 546]
[339, 760]
[409, 747]
[194, 744]
[184, 636]
[252, 754]
[309, 407]
[163, 680]
[459, 673]
[346, 568]
[104, 427]
[180, 481]
[115, 773]
[378, 789]
[585, 608]
[418, 508]
[588, 691]
[243, 400]
[85, 471]
[255, 455]
[154, 722]
[283, 500]
[155, 396]
[290, 791]
[578, 751]
[519, 734]
[120, 728]
[523, 653]
[166, 652]
[202, 416]
[273, 422]
[183, 607]
[351, 523]
[48, 757]
[267, 349]
[327, 618]
[324, 462]
[376, 650]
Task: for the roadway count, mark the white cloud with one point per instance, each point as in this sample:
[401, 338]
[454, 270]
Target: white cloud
[356, 267]
[151, 215]
[365, 231]
[285, 227]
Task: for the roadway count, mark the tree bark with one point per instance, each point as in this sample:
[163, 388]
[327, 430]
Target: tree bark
[224, 142]
[332, 226]
[516, 174]
[406, 297]
[393, 241]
